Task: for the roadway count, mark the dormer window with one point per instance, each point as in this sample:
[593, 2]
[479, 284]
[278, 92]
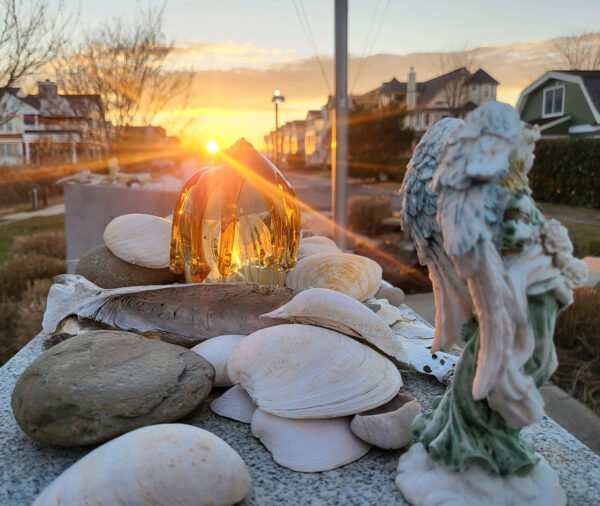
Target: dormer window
[554, 101]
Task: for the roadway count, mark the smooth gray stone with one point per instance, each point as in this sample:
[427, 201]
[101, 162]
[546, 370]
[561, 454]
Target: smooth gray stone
[106, 270]
[393, 294]
[98, 385]
[27, 466]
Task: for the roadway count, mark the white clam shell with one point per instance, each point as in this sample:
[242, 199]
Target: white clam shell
[235, 403]
[217, 350]
[303, 371]
[308, 445]
[337, 311]
[320, 240]
[388, 426]
[140, 239]
[160, 464]
[354, 275]
[315, 245]
[389, 313]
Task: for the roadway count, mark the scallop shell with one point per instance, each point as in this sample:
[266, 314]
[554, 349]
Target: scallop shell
[216, 351]
[354, 275]
[308, 445]
[303, 371]
[160, 464]
[337, 311]
[140, 239]
[388, 426]
[235, 403]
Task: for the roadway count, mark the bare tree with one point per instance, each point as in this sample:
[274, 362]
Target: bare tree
[454, 69]
[126, 64]
[578, 51]
[31, 36]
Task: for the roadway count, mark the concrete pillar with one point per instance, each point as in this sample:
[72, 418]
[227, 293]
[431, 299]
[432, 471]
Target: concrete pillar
[73, 153]
[27, 153]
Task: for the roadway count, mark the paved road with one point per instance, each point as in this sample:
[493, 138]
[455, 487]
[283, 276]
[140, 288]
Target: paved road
[315, 191]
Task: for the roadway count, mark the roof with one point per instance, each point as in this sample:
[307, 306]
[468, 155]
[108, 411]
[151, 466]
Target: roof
[393, 86]
[589, 81]
[481, 77]
[432, 87]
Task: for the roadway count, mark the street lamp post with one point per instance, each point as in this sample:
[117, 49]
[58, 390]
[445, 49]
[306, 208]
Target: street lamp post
[277, 99]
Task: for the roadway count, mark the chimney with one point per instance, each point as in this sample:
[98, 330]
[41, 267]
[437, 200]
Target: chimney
[411, 90]
[47, 89]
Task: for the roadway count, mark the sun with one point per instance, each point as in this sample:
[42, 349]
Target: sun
[212, 146]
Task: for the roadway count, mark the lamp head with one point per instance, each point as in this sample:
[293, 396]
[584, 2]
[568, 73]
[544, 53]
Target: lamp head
[278, 98]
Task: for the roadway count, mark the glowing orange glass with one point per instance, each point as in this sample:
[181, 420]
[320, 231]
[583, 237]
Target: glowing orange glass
[236, 222]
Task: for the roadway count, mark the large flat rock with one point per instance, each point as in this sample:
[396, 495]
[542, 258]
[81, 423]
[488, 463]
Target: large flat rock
[27, 466]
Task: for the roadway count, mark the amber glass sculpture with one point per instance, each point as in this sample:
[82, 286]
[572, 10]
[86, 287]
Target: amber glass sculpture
[236, 221]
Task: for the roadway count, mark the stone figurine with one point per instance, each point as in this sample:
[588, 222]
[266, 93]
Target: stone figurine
[501, 274]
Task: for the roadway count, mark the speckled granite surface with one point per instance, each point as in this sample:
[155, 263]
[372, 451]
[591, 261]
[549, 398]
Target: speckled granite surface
[27, 466]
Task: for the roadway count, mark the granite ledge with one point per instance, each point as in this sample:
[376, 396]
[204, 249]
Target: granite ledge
[27, 467]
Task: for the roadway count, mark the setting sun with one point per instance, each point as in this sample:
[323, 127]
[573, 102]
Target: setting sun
[212, 146]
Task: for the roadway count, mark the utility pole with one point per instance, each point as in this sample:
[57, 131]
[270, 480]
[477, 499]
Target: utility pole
[277, 99]
[339, 144]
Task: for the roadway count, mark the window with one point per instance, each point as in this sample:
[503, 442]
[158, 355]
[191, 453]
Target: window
[427, 119]
[473, 89]
[554, 101]
[486, 91]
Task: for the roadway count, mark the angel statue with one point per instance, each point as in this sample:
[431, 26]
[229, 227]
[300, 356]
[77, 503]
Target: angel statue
[501, 273]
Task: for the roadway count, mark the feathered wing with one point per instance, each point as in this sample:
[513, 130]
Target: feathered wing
[470, 208]
[419, 205]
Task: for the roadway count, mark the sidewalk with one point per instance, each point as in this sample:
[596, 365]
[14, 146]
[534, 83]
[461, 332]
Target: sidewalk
[46, 211]
[565, 410]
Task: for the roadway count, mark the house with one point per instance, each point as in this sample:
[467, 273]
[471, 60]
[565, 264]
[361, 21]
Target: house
[564, 103]
[50, 128]
[455, 94]
[315, 138]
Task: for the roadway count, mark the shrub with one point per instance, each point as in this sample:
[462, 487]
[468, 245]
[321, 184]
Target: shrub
[30, 311]
[365, 214]
[18, 270]
[50, 244]
[577, 339]
[8, 343]
[580, 322]
[567, 171]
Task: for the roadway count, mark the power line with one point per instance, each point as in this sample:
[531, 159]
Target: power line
[373, 40]
[304, 23]
[364, 51]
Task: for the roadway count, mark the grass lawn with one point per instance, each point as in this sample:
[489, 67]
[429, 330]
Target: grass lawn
[585, 238]
[27, 227]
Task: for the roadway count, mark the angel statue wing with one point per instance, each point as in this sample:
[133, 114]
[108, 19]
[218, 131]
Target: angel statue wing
[472, 199]
[418, 208]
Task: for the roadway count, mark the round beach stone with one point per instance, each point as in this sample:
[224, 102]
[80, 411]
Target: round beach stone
[394, 295]
[104, 269]
[98, 385]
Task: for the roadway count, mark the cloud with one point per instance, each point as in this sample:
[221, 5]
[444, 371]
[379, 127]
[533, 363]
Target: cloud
[236, 100]
[227, 55]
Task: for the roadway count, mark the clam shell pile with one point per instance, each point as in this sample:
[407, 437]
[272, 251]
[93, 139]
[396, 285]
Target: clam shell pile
[304, 386]
[318, 391]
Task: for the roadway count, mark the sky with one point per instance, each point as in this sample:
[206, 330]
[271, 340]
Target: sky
[242, 50]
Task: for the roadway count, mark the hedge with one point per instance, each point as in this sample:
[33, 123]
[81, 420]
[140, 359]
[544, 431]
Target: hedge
[567, 171]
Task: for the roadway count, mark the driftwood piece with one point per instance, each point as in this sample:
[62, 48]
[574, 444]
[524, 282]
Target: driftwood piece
[184, 314]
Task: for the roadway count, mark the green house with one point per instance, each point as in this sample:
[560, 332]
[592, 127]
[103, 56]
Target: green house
[564, 103]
